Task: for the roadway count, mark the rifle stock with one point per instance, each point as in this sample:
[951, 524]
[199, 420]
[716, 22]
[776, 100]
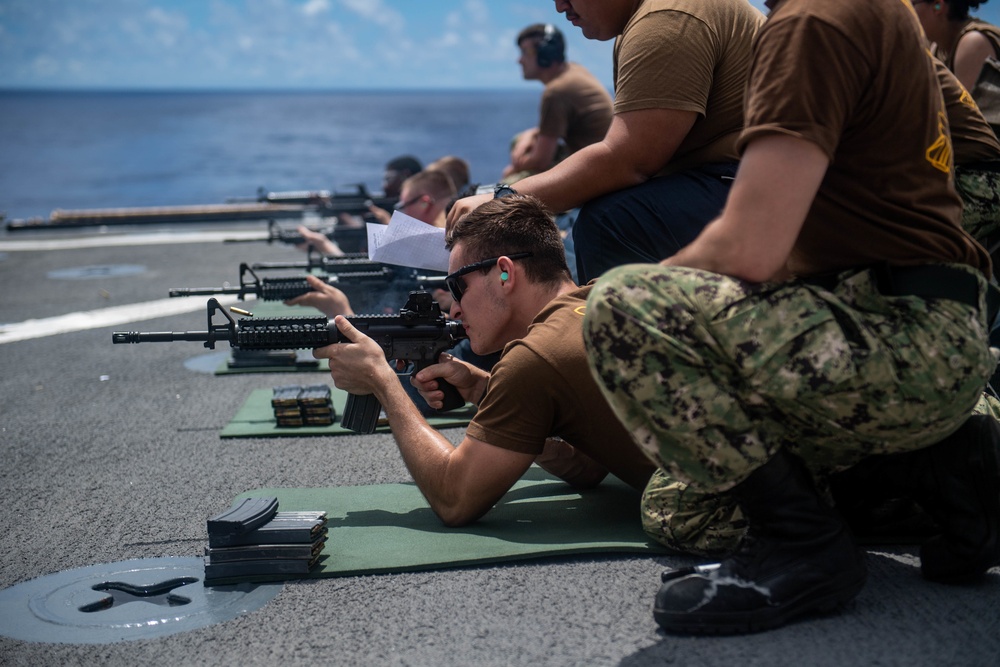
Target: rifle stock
[418, 334]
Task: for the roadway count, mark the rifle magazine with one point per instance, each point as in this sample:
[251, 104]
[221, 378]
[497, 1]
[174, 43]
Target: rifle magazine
[361, 413]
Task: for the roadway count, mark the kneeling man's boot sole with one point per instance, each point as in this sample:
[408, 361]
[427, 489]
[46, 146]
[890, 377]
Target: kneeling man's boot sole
[797, 559]
[720, 601]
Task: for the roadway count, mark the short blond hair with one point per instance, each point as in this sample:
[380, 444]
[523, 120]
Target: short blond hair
[455, 167]
[434, 183]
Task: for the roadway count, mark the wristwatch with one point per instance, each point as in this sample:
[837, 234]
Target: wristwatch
[502, 190]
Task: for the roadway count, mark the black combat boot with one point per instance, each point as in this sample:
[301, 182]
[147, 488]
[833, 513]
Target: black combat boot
[957, 483]
[874, 514]
[797, 558]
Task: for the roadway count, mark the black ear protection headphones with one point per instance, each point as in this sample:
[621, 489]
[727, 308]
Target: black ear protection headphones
[551, 47]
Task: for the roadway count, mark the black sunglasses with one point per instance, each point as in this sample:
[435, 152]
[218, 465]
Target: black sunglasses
[409, 202]
[454, 280]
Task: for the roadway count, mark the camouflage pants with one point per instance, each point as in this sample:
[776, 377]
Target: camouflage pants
[980, 193]
[711, 524]
[681, 518]
[713, 375]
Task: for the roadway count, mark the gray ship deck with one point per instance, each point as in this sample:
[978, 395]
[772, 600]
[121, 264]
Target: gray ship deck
[112, 453]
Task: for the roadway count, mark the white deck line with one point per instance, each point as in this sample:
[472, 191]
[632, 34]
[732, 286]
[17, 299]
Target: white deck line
[155, 238]
[104, 317]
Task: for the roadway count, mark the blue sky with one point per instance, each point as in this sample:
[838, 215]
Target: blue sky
[274, 44]
[267, 44]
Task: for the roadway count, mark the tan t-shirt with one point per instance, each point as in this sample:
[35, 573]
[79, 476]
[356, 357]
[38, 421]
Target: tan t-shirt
[542, 387]
[990, 31]
[869, 98]
[575, 108]
[972, 137]
[689, 55]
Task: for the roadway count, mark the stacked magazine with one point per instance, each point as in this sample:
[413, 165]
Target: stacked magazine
[295, 405]
[252, 540]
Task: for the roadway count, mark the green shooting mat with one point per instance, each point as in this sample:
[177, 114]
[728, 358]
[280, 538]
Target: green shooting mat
[391, 528]
[270, 309]
[255, 419]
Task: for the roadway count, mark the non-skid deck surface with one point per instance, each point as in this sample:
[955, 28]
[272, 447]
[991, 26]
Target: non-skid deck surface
[255, 419]
[390, 527]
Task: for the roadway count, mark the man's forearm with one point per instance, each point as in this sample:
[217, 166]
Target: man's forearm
[637, 146]
[590, 172]
[460, 483]
[540, 155]
[525, 140]
[425, 451]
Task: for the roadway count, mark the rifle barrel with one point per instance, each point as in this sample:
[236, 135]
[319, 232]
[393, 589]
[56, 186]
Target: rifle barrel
[119, 337]
[203, 291]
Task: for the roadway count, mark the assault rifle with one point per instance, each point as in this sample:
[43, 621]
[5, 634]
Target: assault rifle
[345, 276]
[418, 335]
[296, 204]
[327, 203]
[282, 289]
[350, 239]
[349, 263]
[356, 263]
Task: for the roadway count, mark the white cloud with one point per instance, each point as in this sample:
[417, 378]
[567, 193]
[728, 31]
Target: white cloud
[166, 20]
[472, 30]
[266, 43]
[377, 12]
[45, 66]
[315, 7]
[473, 15]
[477, 11]
[343, 44]
[450, 39]
[167, 29]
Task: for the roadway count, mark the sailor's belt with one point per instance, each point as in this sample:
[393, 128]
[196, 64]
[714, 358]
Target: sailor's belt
[928, 281]
[934, 281]
[987, 165]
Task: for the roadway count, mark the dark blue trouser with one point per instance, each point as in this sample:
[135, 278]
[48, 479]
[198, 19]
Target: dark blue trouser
[648, 222]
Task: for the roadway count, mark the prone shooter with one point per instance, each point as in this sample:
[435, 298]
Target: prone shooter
[348, 239]
[418, 335]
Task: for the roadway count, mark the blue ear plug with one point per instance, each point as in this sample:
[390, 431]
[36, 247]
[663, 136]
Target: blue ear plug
[503, 275]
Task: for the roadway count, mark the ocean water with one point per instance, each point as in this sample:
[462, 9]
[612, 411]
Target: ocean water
[77, 150]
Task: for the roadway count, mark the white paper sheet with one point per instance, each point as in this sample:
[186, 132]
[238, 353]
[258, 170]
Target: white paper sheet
[406, 241]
